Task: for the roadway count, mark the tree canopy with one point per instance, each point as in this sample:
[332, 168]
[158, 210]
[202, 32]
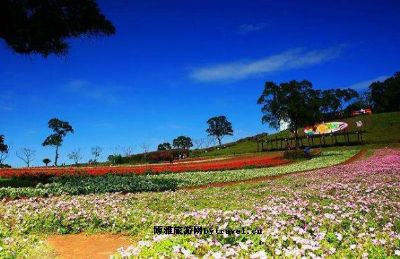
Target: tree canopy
[294, 101]
[385, 95]
[299, 104]
[3, 147]
[182, 142]
[60, 130]
[219, 127]
[43, 26]
[46, 161]
[164, 146]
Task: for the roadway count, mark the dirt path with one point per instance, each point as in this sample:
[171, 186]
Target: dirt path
[358, 156]
[101, 246]
[82, 246]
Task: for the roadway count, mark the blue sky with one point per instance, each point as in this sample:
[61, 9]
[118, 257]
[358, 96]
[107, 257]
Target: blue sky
[174, 64]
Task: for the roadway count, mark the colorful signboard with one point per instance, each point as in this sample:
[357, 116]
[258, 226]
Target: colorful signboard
[360, 112]
[325, 128]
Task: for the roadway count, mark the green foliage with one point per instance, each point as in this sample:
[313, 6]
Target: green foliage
[164, 146]
[298, 154]
[182, 142]
[382, 128]
[46, 161]
[60, 130]
[219, 127]
[115, 159]
[150, 157]
[294, 102]
[385, 95]
[42, 27]
[299, 104]
[3, 147]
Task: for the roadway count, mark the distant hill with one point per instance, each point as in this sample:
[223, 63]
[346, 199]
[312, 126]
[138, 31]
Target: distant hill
[381, 128]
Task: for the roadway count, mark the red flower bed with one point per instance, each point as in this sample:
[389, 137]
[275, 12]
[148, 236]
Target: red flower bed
[214, 165]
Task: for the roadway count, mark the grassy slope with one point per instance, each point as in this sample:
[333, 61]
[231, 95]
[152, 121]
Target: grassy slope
[382, 128]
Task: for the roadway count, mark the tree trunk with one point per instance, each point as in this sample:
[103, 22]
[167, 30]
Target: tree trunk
[219, 141]
[56, 158]
[296, 139]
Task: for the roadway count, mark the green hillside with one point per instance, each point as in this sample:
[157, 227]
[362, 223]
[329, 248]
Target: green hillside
[381, 128]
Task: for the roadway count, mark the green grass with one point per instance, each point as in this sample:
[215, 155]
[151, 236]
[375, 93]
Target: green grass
[382, 129]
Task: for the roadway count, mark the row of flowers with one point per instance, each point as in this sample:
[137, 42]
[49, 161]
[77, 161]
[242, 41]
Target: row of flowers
[214, 165]
[347, 211]
[161, 182]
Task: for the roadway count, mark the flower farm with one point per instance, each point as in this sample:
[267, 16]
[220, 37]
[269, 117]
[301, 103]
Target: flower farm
[200, 165]
[332, 209]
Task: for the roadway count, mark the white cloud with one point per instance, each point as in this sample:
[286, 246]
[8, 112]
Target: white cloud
[291, 59]
[248, 28]
[88, 90]
[362, 85]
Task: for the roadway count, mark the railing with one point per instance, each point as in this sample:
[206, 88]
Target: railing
[344, 138]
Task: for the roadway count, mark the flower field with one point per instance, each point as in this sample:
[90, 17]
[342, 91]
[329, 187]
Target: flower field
[350, 211]
[201, 165]
[161, 182]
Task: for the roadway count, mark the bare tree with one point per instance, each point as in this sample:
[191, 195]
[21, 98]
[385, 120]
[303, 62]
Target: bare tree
[209, 142]
[116, 151]
[127, 151]
[145, 148]
[96, 152]
[3, 157]
[198, 143]
[27, 155]
[75, 156]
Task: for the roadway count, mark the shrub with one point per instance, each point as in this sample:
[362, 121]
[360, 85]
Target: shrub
[295, 154]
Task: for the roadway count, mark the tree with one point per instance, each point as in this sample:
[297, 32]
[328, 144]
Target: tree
[219, 127]
[27, 155]
[198, 143]
[115, 159]
[385, 95]
[361, 102]
[295, 102]
[182, 142]
[127, 151]
[164, 146]
[96, 152]
[332, 101]
[209, 142]
[43, 26]
[4, 150]
[60, 130]
[145, 148]
[75, 156]
[46, 161]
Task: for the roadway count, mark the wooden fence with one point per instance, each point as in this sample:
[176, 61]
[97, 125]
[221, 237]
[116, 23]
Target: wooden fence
[343, 138]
